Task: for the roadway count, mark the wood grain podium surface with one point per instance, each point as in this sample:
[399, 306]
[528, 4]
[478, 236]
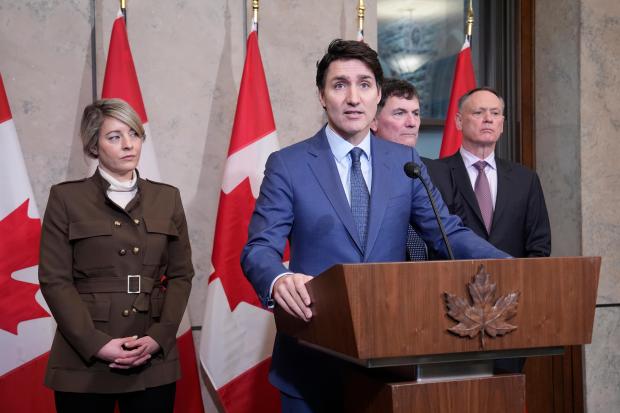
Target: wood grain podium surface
[495, 394]
[383, 310]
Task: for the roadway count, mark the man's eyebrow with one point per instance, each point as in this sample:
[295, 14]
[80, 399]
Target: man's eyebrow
[486, 108]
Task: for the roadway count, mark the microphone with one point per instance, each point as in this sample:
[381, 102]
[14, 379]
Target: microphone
[412, 170]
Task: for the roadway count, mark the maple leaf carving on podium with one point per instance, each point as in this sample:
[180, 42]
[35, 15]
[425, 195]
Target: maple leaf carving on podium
[19, 249]
[486, 316]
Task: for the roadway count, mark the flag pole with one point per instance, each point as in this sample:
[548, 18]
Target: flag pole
[469, 23]
[124, 10]
[93, 48]
[255, 16]
[463, 81]
[361, 8]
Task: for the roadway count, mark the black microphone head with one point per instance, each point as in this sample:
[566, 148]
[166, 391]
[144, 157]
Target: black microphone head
[412, 170]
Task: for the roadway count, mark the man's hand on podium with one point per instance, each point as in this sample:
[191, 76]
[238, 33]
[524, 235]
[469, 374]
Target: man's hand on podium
[291, 294]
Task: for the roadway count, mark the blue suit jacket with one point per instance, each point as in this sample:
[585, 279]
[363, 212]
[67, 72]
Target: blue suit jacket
[302, 200]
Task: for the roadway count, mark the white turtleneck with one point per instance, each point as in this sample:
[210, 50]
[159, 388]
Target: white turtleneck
[121, 193]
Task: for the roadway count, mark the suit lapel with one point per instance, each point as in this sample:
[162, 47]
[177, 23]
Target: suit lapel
[323, 166]
[503, 183]
[380, 192]
[461, 179]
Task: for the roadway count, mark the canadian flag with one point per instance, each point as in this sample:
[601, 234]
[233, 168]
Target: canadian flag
[121, 81]
[464, 80]
[26, 326]
[237, 333]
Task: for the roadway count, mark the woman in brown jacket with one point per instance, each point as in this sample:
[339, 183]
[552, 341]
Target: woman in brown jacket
[115, 269]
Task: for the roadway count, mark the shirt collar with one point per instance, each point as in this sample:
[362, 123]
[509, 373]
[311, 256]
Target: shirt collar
[469, 158]
[340, 147]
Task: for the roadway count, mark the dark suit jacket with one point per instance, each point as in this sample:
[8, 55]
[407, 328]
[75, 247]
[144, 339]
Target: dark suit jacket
[520, 221]
[88, 247]
[302, 200]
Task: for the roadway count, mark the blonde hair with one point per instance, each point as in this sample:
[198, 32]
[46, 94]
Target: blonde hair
[93, 117]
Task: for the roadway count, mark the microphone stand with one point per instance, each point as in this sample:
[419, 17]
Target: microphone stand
[412, 170]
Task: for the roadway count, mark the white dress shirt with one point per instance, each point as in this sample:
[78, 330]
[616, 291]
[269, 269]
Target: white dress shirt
[341, 150]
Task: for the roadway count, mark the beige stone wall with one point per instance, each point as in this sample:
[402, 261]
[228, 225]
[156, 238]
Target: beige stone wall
[600, 193]
[189, 57]
[578, 147]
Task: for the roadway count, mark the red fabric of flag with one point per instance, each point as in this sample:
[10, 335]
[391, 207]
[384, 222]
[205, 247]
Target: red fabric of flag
[237, 333]
[121, 81]
[464, 80]
[26, 327]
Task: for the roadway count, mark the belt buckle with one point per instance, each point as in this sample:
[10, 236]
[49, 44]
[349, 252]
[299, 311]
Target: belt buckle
[131, 290]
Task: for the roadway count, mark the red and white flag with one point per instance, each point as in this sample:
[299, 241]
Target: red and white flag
[464, 80]
[121, 81]
[237, 333]
[26, 326]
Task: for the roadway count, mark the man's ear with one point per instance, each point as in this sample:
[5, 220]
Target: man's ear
[458, 121]
[373, 125]
[322, 99]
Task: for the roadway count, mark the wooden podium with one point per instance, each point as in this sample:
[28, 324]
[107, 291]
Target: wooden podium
[388, 316]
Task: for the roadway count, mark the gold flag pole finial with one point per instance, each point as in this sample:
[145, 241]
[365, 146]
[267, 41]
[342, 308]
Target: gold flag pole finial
[124, 9]
[470, 21]
[255, 15]
[361, 9]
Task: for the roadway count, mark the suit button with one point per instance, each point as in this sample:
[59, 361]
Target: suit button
[136, 221]
[134, 309]
[122, 251]
[135, 250]
[125, 313]
[117, 223]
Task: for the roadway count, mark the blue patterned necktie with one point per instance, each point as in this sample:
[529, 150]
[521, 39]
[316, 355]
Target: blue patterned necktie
[360, 196]
[416, 248]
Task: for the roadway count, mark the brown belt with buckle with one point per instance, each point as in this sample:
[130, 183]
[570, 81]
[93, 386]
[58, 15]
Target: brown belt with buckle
[132, 284]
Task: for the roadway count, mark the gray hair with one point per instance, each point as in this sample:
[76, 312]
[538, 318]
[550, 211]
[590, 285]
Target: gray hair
[466, 96]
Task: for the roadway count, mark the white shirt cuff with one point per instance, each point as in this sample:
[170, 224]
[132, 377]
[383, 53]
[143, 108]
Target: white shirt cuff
[271, 303]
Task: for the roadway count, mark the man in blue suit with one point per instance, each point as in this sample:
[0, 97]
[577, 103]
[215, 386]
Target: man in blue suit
[340, 196]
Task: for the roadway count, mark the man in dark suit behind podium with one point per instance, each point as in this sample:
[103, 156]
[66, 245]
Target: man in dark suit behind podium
[499, 200]
[340, 196]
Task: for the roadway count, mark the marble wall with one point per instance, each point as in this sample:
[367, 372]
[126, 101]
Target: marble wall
[577, 147]
[600, 193]
[189, 58]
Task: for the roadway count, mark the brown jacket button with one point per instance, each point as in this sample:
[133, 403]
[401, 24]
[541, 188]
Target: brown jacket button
[135, 250]
[136, 221]
[117, 223]
[125, 313]
[122, 251]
